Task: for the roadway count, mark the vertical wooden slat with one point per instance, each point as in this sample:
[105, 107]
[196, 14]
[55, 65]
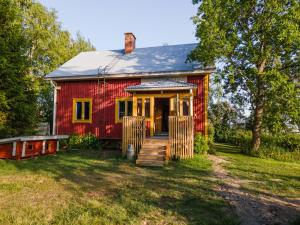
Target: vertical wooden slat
[181, 136]
[134, 133]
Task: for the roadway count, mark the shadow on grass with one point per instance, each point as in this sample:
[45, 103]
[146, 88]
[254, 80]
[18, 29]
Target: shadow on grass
[182, 190]
[227, 148]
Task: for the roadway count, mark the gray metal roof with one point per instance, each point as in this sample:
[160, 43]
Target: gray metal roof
[160, 85]
[161, 59]
[33, 138]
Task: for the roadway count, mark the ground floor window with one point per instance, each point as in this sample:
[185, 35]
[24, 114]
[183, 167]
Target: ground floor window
[124, 107]
[82, 110]
[143, 107]
[181, 108]
[185, 107]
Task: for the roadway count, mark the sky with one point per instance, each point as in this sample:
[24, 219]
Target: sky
[104, 22]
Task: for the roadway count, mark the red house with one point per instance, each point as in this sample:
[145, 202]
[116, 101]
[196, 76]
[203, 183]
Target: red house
[95, 90]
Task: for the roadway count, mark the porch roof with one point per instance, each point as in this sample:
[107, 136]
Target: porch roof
[162, 85]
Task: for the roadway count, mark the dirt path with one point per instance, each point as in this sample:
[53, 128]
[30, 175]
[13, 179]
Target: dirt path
[253, 209]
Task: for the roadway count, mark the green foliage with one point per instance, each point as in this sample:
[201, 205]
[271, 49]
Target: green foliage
[84, 142]
[258, 45]
[284, 146]
[211, 133]
[17, 96]
[200, 144]
[279, 153]
[32, 44]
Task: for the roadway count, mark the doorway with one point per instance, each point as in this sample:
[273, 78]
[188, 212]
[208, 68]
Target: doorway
[161, 115]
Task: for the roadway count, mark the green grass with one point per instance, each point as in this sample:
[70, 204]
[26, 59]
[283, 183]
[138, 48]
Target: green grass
[80, 187]
[262, 176]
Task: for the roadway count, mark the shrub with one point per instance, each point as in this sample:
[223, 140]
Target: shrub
[84, 142]
[211, 134]
[277, 153]
[284, 146]
[200, 144]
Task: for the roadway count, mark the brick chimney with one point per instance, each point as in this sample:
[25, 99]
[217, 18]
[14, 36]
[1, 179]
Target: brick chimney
[129, 42]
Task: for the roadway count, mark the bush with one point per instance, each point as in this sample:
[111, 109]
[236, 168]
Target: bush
[285, 146]
[200, 144]
[211, 134]
[277, 153]
[83, 142]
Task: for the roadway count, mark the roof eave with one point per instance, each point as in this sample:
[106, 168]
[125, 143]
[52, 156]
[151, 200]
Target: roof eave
[133, 75]
[159, 89]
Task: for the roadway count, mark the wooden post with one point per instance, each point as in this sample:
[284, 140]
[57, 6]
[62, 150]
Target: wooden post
[57, 145]
[191, 103]
[14, 150]
[44, 147]
[23, 149]
[152, 105]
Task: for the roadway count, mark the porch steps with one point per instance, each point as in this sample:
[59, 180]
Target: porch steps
[153, 152]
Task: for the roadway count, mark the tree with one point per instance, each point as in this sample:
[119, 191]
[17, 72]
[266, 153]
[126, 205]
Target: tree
[258, 42]
[17, 97]
[49, 47]
[32, 44]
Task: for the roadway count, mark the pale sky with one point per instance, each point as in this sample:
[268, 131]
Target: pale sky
[104, 22]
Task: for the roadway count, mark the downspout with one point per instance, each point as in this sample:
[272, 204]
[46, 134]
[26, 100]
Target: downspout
[54, 107]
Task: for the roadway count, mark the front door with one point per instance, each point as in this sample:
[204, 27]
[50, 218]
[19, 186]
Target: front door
[161, 115]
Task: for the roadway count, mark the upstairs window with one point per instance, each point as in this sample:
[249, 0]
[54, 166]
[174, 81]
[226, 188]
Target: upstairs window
[123, 108]
[82, 110]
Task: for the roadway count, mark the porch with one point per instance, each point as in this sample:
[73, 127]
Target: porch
[159, 149]
[156, 100]
[161, 124]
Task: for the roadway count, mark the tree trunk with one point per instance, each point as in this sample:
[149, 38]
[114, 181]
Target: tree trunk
[256, 130]
[259, 109]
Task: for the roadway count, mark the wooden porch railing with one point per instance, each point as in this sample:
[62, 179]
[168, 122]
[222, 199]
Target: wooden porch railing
[133, 132]
[181, 136]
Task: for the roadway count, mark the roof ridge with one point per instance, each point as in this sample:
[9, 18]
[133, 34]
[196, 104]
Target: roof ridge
[122, 50]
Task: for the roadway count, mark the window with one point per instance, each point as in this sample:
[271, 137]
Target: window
[140, 107]
[82, 110]
[143, 107]
[147, 107]
[185, 107]
[123, 108]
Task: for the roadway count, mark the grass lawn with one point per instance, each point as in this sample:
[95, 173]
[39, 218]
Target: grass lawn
[80, 187]
[266, 176]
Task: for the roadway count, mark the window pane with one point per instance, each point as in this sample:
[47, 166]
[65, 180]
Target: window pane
[147, 107]
[185, 107]
[78, 110]
[129, 108]
[121, 109]
[139, 107]
[87, 110]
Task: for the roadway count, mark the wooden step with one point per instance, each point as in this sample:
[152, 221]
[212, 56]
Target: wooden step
[156, 141]
[149, 162]
[154, 147]
[151, 157]
[152, 151]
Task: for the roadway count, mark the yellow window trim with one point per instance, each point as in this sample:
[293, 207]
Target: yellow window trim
[143, 106]
[117, 100]
[75, 100]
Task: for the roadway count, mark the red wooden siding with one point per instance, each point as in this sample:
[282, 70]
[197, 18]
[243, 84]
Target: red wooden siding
[6, 151]
[198, 103]
[103, 106]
